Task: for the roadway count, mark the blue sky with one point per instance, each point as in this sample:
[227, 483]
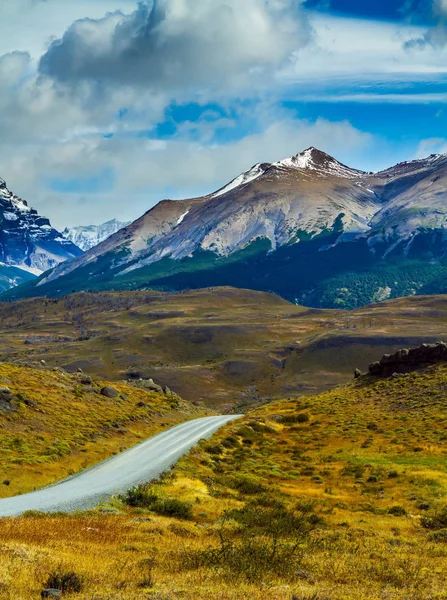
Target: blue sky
[108, 106]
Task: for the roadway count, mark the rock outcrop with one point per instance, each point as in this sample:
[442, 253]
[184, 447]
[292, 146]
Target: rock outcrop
[406, 360]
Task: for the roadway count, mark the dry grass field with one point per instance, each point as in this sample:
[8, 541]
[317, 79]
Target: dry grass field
[224, 346]
[336, 496]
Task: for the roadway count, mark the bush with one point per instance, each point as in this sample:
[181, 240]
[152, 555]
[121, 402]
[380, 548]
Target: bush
[170, 507]
[301, 418]
[245, 485]
[266, 542]
[397, 511]
[67, 581]
[141, 496]
[438, 536]
[436, 521]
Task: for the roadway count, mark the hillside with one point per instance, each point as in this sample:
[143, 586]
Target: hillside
[224, 346]
[336, 496]
[54, 424]
[308, 228]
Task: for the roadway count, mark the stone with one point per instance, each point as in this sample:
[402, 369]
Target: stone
[51, 593]
[109, 392]
[357, 373]
[86, 380]
[80, 370]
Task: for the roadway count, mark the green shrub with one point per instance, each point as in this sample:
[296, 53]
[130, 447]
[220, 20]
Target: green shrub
[435, 521]
[301, 418]
[171, 507]
[397, 511]
[67, 581]
[438, 536]
[139, 496]
[245, 485]
[266, 542]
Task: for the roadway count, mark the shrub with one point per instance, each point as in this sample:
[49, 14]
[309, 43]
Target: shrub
[301, 418]
[139, 496]
[397, 511]
[245, 485]
[436, 521]
[67, 581]
[171, 507]
[266, 542]
[438, 536]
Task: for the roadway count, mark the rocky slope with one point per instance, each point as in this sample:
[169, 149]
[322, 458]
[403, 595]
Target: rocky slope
[307, 227]
[88, 236]
[27, 240]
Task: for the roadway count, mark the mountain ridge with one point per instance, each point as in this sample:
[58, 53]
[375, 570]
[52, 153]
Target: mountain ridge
[306, 213]
[89, 236]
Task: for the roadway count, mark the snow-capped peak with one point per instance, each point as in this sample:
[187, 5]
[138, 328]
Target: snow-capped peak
[313, 159]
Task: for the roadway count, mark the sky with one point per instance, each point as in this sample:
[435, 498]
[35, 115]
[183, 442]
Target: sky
[109, 106]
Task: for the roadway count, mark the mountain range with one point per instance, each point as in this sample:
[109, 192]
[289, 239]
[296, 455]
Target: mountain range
[308, 228]
[29, 245]
[89, 236]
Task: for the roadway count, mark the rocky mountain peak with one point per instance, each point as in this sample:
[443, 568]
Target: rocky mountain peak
[320, 163]
[27, 240]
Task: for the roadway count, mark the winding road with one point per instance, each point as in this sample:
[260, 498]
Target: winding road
[140, 464]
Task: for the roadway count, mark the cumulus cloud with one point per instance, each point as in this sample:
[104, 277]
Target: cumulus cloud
[436, 36]
[178, 43]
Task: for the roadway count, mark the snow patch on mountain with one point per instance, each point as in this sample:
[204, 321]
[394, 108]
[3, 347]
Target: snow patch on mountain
[88, 236]
[28, 241]
[243, 179]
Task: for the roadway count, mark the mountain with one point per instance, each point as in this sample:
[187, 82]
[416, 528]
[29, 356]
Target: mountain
[308, 228]
[29, 245]
[88, 236]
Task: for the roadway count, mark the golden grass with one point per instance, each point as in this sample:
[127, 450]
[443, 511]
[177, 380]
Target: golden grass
[366, 449]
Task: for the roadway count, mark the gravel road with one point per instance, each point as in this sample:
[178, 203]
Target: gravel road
[140, 464]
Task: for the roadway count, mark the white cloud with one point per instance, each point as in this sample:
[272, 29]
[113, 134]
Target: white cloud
[431, 146]
[179, 44]
[145, 168]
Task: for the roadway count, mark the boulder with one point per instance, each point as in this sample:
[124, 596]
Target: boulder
[109, 392]
[357, 373]
[51, 593]
[86, 380]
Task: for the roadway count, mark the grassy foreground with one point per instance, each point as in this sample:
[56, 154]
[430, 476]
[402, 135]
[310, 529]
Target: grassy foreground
[338, 496]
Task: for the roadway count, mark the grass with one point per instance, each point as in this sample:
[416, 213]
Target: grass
[59, 426]
[347, 503]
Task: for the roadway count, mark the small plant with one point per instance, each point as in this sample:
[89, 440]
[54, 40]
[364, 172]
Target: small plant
[397, 511]
[435, 521]
[66, 581]
[139, 496]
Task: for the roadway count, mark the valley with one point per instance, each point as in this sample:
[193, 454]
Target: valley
[223, 346]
